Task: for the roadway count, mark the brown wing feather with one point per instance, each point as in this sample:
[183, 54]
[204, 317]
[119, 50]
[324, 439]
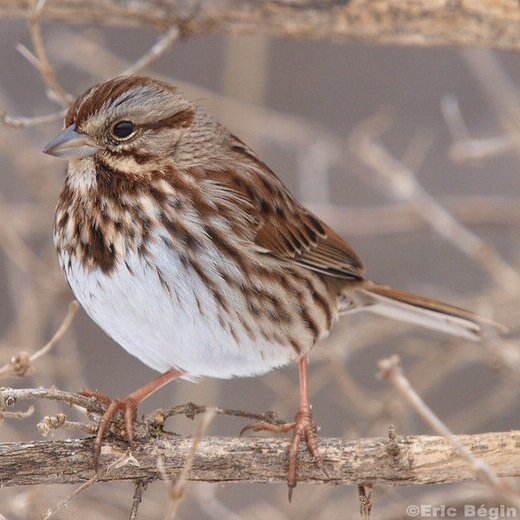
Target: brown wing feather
[288, 230]
[325, 252]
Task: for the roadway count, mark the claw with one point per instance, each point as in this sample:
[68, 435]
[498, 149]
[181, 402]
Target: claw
[128, 406]
[302, 426]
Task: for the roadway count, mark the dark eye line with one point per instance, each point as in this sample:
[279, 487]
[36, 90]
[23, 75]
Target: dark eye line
[181, 119]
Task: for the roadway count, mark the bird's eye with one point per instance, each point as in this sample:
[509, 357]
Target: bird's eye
[123, 129]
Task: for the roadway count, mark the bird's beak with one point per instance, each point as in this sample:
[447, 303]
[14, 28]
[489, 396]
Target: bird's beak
[71, 145]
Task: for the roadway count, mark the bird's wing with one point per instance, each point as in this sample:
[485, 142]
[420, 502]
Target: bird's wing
[285, 228]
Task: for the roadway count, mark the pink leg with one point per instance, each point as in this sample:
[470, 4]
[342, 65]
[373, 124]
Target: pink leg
[302, 427]
[128, 406]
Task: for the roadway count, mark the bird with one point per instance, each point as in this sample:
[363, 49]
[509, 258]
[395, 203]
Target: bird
[190, 252]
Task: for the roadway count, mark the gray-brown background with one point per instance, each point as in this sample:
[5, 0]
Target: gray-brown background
[332, 88]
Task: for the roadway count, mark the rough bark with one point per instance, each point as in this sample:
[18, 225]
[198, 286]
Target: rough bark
[405, 461]
[488, 23]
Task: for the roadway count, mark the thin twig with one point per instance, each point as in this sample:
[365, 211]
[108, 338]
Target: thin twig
[140, 488]
[465, 148]
[365, 500]
[22, 363]
[404, 185]
[63, 503]
[10, 396]
[157, 50]
[191, 410]
[60, 421]
[25, 122]
[178, 489]
[16, 415]
[43, 64]
[391, 370]
[73, 308]
[120, 462]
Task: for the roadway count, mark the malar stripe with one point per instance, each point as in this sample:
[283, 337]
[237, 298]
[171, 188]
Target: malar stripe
[139, 158]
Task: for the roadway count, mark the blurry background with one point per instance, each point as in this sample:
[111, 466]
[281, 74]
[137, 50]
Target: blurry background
[304, 107]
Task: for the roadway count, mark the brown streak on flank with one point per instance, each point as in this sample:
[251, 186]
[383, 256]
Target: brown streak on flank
[323, 304]
[217, 295]
[280, 310]
[129, 268]
[286, 281]
[309, 321]
[180, 233]
[296, 346]
[319, 299]
[247, 328]
[199, 306]
[164, 283]
[220, 299]
[231, 252]
[234, 334]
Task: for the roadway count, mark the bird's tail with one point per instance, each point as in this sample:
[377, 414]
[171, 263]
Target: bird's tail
[412, 308]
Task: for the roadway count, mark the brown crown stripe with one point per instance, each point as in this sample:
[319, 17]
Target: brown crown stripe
[94, 98]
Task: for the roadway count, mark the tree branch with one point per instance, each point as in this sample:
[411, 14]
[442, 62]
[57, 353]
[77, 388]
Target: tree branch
[419, 460]
[423, 22]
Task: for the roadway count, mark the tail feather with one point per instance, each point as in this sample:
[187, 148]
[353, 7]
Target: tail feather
[412, 308]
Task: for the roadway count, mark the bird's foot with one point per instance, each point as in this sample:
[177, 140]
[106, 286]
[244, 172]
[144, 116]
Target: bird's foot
[127, 406]
[303, 428]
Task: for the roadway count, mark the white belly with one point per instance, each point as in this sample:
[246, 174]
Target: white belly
[165, 328]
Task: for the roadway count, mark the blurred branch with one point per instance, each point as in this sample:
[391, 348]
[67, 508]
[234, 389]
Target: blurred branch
[40, 59]
[420, 460]
[392, 371]
[404, 186]
[21, 364]
[486, 23]
[23, 122]
[158, 454]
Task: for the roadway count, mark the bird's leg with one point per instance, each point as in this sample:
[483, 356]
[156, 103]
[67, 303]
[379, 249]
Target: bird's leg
[302, 428]
[128, 406]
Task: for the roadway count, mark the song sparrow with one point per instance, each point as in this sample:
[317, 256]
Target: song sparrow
[190, 253]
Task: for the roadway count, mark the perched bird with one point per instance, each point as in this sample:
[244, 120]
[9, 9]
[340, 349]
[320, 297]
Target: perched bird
[184, 247]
